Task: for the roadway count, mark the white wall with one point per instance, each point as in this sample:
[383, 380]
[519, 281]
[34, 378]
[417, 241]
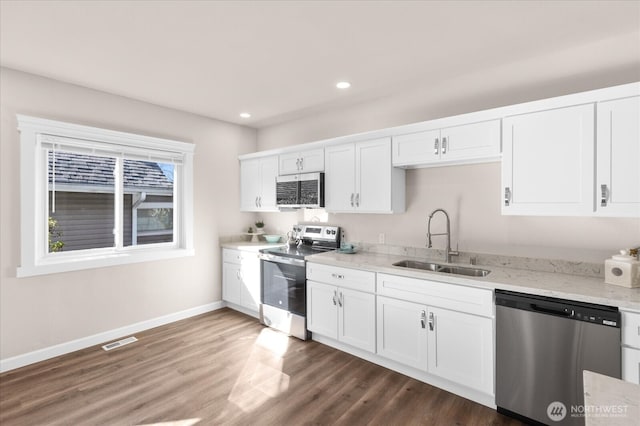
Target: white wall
[471, 194]
[42, 311]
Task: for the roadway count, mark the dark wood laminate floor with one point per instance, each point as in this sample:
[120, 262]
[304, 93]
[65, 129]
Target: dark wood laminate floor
[225, 368]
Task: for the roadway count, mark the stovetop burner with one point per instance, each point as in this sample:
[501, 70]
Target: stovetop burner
[299, 252]
[315, 239]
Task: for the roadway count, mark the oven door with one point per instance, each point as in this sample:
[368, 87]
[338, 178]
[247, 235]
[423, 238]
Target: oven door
[283, 284]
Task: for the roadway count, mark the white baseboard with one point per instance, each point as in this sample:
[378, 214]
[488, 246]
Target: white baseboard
[85, 342]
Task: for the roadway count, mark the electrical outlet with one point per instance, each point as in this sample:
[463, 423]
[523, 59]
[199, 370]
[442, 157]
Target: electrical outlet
[381, 238]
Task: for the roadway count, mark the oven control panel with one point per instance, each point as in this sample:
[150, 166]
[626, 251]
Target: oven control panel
[318, 232]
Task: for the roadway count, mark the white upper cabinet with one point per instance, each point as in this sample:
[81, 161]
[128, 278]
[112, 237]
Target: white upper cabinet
[467, 143]
[547, 162]
[258, 184]
[310, 161]
[359, 178]
[618, 158]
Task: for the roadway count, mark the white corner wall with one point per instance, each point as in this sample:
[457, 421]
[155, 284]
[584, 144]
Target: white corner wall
[45, 311]
[470, 193]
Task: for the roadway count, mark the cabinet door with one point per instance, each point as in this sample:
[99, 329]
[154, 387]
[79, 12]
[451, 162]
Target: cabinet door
[357, 319]
[250, 184]
[339, 178]
[268, 175]
[631, 365]
[373, 176]
[322, 309]
[618, 164]
[461, 348]
[547, 163]
[289, 163]
[231, 283]
[312, 161]
[401, 332]
[416, 148]
[470, 141]
[250, 286]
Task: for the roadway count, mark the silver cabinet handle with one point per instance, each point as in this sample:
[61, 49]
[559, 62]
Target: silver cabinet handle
[507, 196]
[256, 201]
[444, 146]
[431, 321]
[338, 276]
[423, 319]
[352, 195]
[302, 164]
[260, 201]
[436, 146]
[238, 274]
[605, 195]
[334, 297]
[358, 199]
[297, 164]
[340, 300]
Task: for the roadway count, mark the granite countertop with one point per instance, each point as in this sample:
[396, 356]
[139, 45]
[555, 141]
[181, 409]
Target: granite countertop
[552, 284]
[248, 246]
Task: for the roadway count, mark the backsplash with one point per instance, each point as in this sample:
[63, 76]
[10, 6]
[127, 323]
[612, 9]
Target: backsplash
[532, 264]
[586, 269]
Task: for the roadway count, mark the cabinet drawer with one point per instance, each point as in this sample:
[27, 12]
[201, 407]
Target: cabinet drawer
[344, 277]
[471, 300]
[237, 256]
[631, 329]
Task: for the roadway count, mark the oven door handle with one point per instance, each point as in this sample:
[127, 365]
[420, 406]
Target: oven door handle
[279, 259]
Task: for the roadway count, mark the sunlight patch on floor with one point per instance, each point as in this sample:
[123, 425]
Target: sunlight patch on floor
[262, 378]
[275, 341]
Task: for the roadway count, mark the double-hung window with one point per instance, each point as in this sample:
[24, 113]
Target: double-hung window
[92, 197]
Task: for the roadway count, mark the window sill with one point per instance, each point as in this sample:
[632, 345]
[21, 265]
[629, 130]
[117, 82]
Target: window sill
[100, 261]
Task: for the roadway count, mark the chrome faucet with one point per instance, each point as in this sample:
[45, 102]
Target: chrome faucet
[448, 252]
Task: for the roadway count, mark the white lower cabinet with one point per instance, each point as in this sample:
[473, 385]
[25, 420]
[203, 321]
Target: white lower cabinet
[437, 332]
[631, 346]
[445, 330]
[402, 334]
[241, 279]
[631, 365]
[460, 348]
[343, 314]
[341, 305]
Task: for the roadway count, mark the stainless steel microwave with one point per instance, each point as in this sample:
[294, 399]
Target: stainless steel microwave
[299, 191]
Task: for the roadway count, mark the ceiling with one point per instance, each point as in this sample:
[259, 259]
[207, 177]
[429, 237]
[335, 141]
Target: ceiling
[280, 60]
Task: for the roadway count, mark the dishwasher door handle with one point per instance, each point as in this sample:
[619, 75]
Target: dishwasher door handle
[552, 311]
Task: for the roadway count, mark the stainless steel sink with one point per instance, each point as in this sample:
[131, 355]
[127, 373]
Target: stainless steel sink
[445, 269]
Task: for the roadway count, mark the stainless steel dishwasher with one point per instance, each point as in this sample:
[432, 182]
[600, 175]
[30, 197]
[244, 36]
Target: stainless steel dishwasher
[542, 346]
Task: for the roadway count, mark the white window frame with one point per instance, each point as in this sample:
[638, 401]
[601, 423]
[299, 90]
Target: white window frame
[35, 259]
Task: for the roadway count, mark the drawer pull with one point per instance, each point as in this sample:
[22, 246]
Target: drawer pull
[423, 319]
[431, 321]
[338, 276]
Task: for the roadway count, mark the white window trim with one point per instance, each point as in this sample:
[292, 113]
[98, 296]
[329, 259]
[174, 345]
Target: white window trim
[33, 189]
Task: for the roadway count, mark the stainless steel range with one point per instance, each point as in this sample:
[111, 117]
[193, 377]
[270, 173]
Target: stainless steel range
[283, 283]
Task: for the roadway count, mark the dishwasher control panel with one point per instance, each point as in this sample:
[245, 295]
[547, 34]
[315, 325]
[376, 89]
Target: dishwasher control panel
[578, 311]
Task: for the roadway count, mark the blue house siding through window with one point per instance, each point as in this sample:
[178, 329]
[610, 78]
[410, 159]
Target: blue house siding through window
[81, 190]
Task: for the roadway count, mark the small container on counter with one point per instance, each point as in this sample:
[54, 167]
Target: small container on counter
[623, 270]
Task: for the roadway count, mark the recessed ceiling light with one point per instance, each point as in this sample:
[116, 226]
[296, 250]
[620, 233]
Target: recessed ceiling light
[343, 85]
[245, 115]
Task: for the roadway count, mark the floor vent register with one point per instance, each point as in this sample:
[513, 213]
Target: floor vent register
[119, 343]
